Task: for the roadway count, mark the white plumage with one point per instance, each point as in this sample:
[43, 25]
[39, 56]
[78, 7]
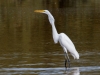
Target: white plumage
[62, 38]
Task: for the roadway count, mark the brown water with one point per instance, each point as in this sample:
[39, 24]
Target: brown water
[26, 44]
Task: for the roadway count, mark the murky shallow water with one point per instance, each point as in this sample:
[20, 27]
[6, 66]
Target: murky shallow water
[41, 64]
[91, 70]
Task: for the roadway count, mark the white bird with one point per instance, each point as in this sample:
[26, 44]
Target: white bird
[62, 38]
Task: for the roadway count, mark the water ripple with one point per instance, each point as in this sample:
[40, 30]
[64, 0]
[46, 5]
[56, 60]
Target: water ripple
[45, 71]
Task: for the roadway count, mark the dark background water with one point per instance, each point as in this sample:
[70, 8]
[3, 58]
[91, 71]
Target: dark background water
[26, 37]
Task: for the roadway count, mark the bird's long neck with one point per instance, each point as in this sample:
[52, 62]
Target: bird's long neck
[54, 33]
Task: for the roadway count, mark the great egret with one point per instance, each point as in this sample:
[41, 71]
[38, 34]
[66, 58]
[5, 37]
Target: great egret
[62, 38]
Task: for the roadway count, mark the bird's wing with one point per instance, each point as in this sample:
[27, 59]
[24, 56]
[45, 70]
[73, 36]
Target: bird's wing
[67, 39]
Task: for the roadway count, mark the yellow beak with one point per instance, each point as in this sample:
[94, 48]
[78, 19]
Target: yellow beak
[39, 11]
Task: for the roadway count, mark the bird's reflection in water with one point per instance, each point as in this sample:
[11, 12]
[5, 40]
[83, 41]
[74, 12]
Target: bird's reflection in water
[73, 71]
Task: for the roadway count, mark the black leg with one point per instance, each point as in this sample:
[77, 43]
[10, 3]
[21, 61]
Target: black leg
[67, 60]
[65, 63]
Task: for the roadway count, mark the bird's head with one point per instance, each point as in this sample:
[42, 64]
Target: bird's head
[50, 17]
